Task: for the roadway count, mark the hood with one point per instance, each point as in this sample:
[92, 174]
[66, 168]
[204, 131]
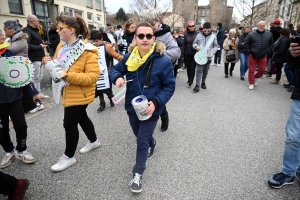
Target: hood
[90, 47]
[19, 36]
[162, 29]
[160, 47]
[53, 32]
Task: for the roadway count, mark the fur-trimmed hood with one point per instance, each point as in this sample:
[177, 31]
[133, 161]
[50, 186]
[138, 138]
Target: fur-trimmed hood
[19, 36]
[160, 47]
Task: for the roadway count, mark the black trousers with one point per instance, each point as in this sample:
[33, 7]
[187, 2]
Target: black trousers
[176, 67]
[278, 70]
[16, 113]
[190, 65]
[27, 102]
[73, 116]
[8, 183]
[108, 92]
[231, 67]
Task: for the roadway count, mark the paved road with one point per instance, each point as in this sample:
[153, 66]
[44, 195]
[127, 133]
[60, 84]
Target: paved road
[223, 143]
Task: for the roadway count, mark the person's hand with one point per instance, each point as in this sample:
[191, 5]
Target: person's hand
[198, 48]
[47, 59]
[151, 108]
[120, 82]
[37, 97]
[43, 45]
[295, 49]
[65, 77]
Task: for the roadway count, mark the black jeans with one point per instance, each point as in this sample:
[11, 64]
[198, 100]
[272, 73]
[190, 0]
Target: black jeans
[16, 113]
[231, 67]
[176, 67]
[8, 184]
[27, 102]
[278, 70]
[190, 65]
[73, 116]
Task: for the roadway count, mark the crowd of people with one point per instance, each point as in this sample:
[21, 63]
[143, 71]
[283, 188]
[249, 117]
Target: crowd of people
[149, 56]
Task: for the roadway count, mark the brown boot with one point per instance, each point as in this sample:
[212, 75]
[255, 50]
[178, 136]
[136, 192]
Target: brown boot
[20, 190]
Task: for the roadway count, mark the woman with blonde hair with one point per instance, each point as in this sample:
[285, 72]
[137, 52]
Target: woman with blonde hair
[230, 51]
[128, 37]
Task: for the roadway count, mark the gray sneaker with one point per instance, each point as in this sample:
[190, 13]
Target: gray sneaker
[7, 159]
[280, 179]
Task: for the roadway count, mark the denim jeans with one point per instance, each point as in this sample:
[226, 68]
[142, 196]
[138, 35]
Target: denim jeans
[244, 64]
[291, 74]
[143, 130]
[291, 156]
[218, 57]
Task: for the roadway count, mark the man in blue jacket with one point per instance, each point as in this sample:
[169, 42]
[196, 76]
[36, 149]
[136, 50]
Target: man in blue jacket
[220, 40]
[149, 73]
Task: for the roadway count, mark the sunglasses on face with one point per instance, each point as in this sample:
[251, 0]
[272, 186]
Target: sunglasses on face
[206, 31]
[59, 28]
[142, 36]
[191, 26]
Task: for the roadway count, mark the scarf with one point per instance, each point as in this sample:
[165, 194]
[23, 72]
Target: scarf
[3, 47]
[135, 61]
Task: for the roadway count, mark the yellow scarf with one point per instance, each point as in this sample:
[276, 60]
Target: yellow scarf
[4, 45]
[135, 61]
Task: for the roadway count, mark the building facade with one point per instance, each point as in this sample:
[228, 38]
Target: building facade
[295, 13]
[186, 8]
[92, 11]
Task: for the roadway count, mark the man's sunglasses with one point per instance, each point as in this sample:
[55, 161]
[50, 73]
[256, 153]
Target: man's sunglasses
[142, 36]
[206, 31]
[191, 26]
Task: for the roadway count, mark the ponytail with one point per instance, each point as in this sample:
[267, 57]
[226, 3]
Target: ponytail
[84, 31]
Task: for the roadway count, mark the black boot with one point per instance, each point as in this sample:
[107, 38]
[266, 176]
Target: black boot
[101, 108]
[112, 104]
[164, 123]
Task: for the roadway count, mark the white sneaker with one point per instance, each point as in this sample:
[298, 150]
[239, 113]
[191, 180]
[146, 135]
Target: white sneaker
[45, 96]
[25, 156]
[180, 69]
[89, 146]
[7, 159]
[251, 87]
[63, 163]
[218, 65]
[40, 107]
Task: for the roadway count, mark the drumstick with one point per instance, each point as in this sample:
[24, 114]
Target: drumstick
[129, 80]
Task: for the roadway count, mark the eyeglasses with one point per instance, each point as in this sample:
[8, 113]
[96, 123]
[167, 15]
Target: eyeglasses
[142, 36]
[207, 31]
[59, 28]
[191, 26]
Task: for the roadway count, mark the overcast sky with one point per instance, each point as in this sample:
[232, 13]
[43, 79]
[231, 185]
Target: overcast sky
[114, 5]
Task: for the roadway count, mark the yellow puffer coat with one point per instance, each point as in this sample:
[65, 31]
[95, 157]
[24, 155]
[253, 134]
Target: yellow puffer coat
[82, 77]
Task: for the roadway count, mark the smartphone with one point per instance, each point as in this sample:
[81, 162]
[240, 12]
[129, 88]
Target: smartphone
[296, 39]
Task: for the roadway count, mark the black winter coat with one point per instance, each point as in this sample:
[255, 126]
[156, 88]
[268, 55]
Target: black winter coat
[54, 40]
[259, 44]
[275, 33]
[280, 49]
[187, 46]
[129, 38]
[241, 45]
[35, 50]
[221, 37]
[294, 62]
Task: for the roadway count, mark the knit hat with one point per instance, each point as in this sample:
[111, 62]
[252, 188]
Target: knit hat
[11, 24]
[207, 25]
[187, 24]
[277, 22]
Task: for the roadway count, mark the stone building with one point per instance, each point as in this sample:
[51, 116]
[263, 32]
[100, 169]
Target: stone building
[295, 13]
[186, 8]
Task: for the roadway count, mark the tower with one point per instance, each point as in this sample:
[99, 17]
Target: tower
[220, 12]
[186, 8]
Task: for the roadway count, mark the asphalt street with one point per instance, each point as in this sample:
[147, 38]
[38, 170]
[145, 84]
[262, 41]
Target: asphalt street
[224, 142]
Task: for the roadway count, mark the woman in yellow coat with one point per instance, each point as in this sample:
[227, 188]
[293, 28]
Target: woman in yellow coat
[80, 71]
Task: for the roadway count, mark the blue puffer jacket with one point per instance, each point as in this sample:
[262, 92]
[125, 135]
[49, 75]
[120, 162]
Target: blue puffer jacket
[9, 95]
[162, 81]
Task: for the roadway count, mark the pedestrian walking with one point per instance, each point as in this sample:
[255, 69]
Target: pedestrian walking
[220, 40]
[151, 73]
[110, 54]
[230, 52]
[163, 34]
[36, 49]
[243, 55]
[291, 155]
[258, 44]
[279, 53]
[179, 42]
[127, 38]
[206, 40]
[11, 106]
[188, 52]
[80, 91]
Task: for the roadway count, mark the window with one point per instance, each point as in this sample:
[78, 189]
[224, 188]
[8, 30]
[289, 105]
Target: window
[40, 8]
[98, 18]
[207, 12]
[73, 11]
[289, 10]
[90, 16]
[98, 5]
[199, 12]
[15, 6]
[89, 3]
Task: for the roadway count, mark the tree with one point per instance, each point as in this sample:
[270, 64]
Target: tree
[121, 15]
[252, 11]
